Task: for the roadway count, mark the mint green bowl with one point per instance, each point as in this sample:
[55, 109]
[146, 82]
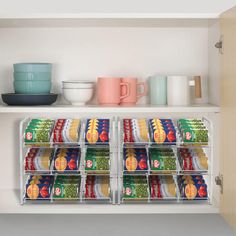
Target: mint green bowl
[32, 86]
[32, 67]
[18, 76]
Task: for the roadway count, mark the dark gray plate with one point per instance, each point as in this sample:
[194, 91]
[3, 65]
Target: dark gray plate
[14, 99]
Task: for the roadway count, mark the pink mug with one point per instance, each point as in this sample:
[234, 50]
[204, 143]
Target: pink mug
[134, 94]
[109, 90]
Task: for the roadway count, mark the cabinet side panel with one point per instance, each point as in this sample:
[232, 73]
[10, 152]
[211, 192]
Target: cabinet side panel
[228, 115]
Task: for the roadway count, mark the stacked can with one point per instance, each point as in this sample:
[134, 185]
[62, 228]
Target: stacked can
[66, 131]
[135, 159]
[193, 159]
[38, 159]
[192, 187]
[67, 160]
[97, 160]
[39, 187]
[97, 131]
[162, 187]
[162, 131]
[38, 131]
[162, 159]
[128, 135]
[193, 131]
[66, 187]
[97, 187]
[135, 131]
[135, 188]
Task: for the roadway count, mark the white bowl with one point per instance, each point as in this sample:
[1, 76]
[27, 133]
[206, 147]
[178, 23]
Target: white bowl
[77, 96]
[77, 84]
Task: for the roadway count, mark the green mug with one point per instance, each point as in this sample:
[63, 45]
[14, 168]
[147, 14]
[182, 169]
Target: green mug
[158, 90]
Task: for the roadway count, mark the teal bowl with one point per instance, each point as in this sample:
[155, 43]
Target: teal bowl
[19, 76]
[32, 67]
[32, 86]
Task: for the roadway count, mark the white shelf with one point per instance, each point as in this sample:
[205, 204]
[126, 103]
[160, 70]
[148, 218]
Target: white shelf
[10, 204]
[108, 20]
[111, 15]
[206, 108]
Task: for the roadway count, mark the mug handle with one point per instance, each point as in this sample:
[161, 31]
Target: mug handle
[145, 89]
[196, 82]
[127, 85]
[198, 86]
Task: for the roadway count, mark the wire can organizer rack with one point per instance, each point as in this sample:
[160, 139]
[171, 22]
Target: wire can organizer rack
[162, 190]
[199, 154]
[50, 137]
[110, 160]
[165, 161]
[155, 139]
[54, 161]
[76, 191]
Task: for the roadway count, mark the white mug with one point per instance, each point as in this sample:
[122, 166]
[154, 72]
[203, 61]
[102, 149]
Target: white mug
[178, 89]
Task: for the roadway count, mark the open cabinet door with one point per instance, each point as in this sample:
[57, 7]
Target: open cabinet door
[228, 116]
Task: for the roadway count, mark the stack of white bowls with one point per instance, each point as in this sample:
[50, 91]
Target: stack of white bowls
[78, 92]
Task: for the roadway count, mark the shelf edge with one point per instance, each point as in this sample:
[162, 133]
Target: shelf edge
[129, 15]
[97, 109]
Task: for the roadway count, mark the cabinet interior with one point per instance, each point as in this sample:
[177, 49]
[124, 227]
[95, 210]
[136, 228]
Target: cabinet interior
[120, 48]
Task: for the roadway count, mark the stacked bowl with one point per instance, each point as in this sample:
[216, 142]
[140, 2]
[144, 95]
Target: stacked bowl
[77, 92]
[32, 78]
[32, 85]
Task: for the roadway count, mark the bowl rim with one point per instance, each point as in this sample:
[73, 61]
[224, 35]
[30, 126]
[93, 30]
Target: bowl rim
[33, 63]
[32, 67]
[30, 72]
[77, 82]
[32, 80]
[78, 88]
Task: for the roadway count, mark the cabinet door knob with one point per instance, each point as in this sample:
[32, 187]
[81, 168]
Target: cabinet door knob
[219, 182]
[219, 45]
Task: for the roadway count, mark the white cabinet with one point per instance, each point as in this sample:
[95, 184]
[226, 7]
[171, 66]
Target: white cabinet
[87, 46]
